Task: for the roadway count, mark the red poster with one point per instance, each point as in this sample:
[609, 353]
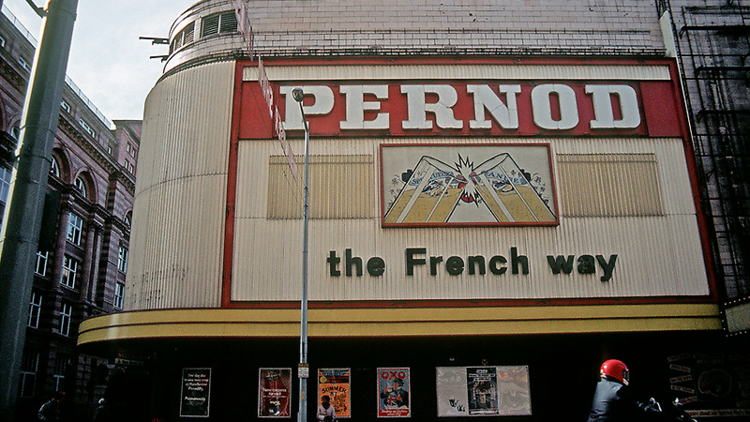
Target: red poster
[274, 392]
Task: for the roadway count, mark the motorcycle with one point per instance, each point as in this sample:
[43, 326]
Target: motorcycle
[673, 412]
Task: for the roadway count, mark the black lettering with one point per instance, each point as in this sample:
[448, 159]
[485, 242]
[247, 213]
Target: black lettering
[434, 261]
[517, 260]
[498, 259]
[586, 264]
[353, 261]
[560, 264]
[333, 264]
[375, 266]
[608, 267]
[454, 265]
[411, 261]
[477, 262]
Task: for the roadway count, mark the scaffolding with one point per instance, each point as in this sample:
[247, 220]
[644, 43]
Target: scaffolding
[712, 48]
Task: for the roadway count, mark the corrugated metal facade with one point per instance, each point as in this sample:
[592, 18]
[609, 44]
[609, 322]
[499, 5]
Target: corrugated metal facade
[181, 196]
[657, 255]
[182, 199]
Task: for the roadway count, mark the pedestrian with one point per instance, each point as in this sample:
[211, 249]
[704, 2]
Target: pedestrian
[50, 411]
[101, 414]
[326, 412]
[612, 400]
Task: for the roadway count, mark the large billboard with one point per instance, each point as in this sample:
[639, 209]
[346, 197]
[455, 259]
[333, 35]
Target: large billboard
[466, 181]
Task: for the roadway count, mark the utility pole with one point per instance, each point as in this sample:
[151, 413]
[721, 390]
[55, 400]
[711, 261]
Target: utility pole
[304, 368]
[20, 236]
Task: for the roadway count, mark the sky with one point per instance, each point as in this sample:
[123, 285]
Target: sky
[107, 60]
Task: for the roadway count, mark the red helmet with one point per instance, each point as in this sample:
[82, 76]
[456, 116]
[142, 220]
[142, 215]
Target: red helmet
[616, 370]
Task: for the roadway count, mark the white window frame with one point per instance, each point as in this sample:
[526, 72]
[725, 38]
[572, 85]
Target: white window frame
[42, 258]
[35, 310]
[29, 368]
[119, 295]
[87, 128]
[54, 167]
[69, 272]
[24, 63]
[66, 316]
[61, 366]
[5, 177]
[122, 259]
[80, 185]
[75, 229]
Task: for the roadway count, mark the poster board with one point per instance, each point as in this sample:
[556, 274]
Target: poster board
[195, 398]
[393, 393]
[274, 392]
[336, 384]
[483, 391]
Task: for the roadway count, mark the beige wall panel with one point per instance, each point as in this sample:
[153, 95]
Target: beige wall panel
[177, 240]
[507, 72]
[657, 255]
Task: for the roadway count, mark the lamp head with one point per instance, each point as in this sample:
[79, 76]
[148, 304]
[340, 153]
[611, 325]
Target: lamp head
[298, 94]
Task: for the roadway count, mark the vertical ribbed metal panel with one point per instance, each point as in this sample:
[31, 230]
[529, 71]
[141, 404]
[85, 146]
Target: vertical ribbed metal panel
[657, 255]
[442, 71]
[178, 218]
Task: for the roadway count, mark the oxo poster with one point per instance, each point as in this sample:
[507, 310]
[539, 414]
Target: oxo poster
[393, 393]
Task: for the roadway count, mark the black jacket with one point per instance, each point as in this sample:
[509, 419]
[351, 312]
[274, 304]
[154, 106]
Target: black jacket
[613, 403]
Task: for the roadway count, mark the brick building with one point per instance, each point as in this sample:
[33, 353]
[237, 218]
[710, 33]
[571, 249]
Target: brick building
[82, 271]
[502, 195]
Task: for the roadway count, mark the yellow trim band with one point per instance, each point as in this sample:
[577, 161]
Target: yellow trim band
[403, 322]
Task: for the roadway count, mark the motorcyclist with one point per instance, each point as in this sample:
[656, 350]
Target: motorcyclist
[612, 400]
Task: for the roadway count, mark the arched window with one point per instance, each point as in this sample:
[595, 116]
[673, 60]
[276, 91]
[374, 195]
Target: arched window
[80, 185]
[55, 167]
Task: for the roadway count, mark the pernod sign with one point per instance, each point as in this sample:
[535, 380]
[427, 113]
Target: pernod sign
[554, 107]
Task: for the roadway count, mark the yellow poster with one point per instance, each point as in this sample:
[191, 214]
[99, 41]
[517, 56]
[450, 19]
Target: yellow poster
[334, 398]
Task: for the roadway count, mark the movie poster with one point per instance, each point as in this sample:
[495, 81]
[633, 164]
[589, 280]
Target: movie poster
[196, 393]
[274, 392]
[336, 384]
[393, 393]
[483, 391]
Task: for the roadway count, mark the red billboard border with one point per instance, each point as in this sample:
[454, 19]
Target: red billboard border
[679, 106]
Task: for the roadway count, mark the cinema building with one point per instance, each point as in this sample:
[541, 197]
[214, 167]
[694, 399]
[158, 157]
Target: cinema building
[501, 197]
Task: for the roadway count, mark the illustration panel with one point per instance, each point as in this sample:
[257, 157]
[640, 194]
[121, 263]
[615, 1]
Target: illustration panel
[488, 184]
[393, 393]
[483, 391]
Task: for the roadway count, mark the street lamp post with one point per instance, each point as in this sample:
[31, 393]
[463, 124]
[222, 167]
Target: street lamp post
[303, 370]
